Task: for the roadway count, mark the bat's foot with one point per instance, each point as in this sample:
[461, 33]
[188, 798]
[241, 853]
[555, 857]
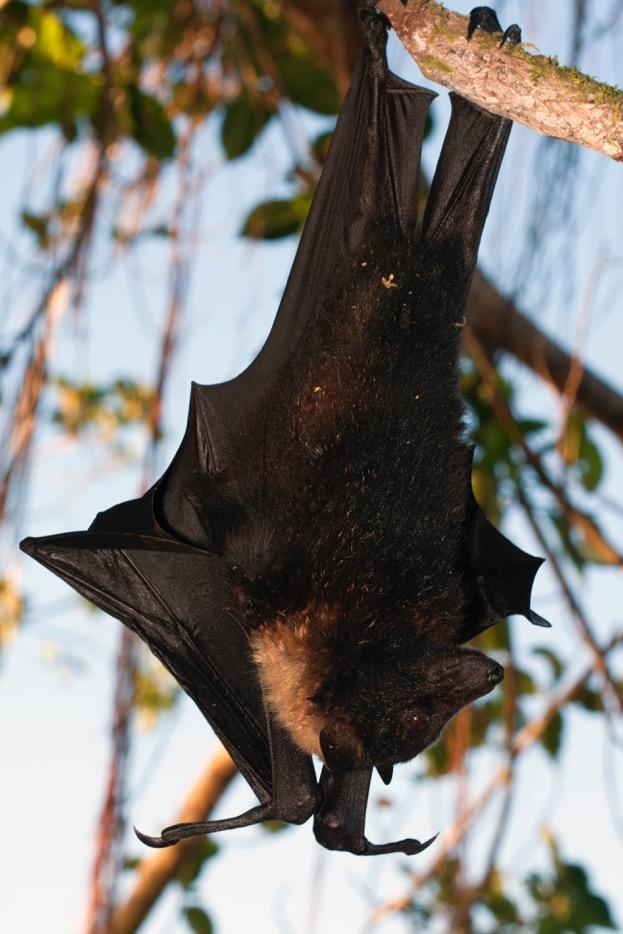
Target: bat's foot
[374, 23]
[485, 18]
[339, 835]
[374, 28]
[512, 35]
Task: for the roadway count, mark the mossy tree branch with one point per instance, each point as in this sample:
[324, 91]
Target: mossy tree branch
[529, 88]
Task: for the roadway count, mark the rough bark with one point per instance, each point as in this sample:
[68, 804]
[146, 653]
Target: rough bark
[529, 88]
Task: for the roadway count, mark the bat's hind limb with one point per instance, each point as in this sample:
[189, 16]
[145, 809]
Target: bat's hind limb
[485, 18]
[340, 820]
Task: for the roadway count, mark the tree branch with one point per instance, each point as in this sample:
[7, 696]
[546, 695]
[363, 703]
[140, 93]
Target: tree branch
[531, 89]
[157, 871]
[499, 325]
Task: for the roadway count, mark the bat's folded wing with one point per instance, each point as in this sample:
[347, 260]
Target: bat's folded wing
[371, 173]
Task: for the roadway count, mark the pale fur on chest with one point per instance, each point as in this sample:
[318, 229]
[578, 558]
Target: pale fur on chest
[281, 652]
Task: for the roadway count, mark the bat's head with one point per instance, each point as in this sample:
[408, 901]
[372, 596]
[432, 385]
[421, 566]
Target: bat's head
[387, 710]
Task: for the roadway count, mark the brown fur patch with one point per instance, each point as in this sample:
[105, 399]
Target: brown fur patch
[285, 651]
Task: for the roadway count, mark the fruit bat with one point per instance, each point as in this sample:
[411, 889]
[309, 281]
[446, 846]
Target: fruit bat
[312, 561]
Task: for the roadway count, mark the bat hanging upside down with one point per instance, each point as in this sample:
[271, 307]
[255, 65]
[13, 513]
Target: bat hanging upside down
[313, 560]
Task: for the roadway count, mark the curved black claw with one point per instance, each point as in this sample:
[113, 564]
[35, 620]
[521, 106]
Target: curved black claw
[157, 843]
[512, 35]
[408, 847]
[483, 17]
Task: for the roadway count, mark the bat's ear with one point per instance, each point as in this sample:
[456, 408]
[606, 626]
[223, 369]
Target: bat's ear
[341, 747]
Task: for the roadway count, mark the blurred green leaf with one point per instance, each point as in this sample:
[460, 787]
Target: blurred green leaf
[274, 826]
[555, 663]
[591, 464]
[152, 129]
[308, 84]
[531, 426]
[552, 737]
[437, 758]
[320, 146]
[497, 901]
[565, 901]
[273, 220]
[48, 94]
[578, 450]
[568, 539]
[242, 122]
[38, 224]
[589, 699]
[485, 715]
[198, 920]
[55, 42]
[194, 861]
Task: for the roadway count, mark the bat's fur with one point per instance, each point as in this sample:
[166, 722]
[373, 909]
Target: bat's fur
[348, 544]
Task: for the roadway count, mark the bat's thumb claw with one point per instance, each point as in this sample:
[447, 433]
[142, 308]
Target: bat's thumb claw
[156, 842]
[427, 843]
[413, 847]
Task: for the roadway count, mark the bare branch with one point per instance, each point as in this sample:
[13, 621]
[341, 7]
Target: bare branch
[501, 326]
[157, 871]
[531, 89]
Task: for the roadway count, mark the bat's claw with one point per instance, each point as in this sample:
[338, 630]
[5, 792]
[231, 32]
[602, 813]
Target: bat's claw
[483, 17]
[409, 847]
[156, 842]
[512, 35]
[374, 23]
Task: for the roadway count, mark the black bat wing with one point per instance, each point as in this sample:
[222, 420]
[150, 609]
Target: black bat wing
[174, 596]
[452, 226]
[503, 573]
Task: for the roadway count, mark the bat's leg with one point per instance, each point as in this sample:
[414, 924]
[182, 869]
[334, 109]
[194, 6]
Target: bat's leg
[461, 190]
[512, 35]
[483, 17]
[374, 28]
[340, 820]
[294, 798]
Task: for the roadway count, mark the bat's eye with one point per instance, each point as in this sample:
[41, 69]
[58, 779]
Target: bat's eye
[415, 720]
